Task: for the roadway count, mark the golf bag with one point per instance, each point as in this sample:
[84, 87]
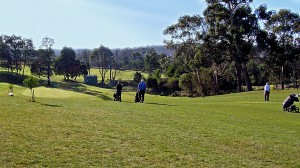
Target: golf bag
[115, 96]
[136, 98]
[288, 104]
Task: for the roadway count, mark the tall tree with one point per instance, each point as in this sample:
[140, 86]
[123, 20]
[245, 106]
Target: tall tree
[152, 61]
[86, 54]
[102, 56]
[67, 65]
[5, 54]
[234, 21]
[28, 52]
[186, 38]
[15, 46]
[48, 55]
[284, 27]
[137, 61]
[214, 53]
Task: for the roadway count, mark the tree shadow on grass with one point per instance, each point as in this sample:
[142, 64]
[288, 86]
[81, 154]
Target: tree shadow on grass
[13, 78]
[159, 104]
[162, 104]
[79, 88]
[51, 105]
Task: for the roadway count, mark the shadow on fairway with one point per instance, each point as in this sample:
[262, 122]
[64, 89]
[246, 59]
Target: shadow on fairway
[78, 87]
[161, 104]
[49, 105]
[13, 78]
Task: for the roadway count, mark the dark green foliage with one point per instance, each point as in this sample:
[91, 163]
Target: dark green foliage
[186, 82]
[282, 43]
[31, 82]
[103, 58]
[152, 82]
[152, 61]
[84, 69]
[137, 77]
[67, 66]
[157, 75]
[173, 84]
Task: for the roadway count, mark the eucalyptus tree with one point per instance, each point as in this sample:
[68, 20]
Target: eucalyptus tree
[47, 55]
[28, 52]
[14, 46]
[86, 55]
[151, 61]
[37, 66]
[126, 55]
[186, 38]
[233, 22]
[5, 56]
[103, 58]
[215, 53]
[137, 61]
[67, 65]
[284, 28]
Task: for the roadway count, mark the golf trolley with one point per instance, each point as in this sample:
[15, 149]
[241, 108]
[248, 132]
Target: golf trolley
[288, 105]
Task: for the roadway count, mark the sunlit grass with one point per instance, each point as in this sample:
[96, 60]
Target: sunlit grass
[76, 125]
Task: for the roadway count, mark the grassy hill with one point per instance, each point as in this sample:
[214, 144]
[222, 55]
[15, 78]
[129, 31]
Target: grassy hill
[75, 125]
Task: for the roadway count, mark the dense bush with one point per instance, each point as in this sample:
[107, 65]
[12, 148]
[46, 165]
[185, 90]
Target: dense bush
[137, 77]
[186, 82]
[152, 82]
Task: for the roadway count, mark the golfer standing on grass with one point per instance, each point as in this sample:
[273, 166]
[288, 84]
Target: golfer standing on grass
[142, 89]
[267, 91]
[119, 90]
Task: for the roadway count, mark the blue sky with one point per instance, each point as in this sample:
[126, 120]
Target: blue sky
[112, 23]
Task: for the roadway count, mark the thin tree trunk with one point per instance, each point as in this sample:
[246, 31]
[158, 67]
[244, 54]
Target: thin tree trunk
[238, 77]
[24, 65]
[216, 81]
[32, 95]
[248, 80]
[48, 76]
[282, 83]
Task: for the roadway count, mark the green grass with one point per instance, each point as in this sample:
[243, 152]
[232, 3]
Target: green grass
[75, 125]
[121, 75]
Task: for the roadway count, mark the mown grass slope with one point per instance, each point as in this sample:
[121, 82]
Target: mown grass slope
[75, 125]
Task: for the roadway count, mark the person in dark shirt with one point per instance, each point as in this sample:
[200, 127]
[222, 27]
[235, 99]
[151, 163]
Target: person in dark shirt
[119, 88]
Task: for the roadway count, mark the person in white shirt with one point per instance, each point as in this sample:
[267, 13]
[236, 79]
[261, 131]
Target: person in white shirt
[267, 91]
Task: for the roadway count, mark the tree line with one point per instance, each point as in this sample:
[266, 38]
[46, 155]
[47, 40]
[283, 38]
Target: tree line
[232, 46]
[17, 52]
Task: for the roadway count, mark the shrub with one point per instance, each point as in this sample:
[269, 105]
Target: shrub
[186, 83]
[152, 82]
[31, 82]
[173, 84]
[137, 77]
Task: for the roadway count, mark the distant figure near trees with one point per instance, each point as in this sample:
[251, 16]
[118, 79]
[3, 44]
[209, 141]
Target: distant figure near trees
[267, 91]
[119, 88]
[142, 90]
